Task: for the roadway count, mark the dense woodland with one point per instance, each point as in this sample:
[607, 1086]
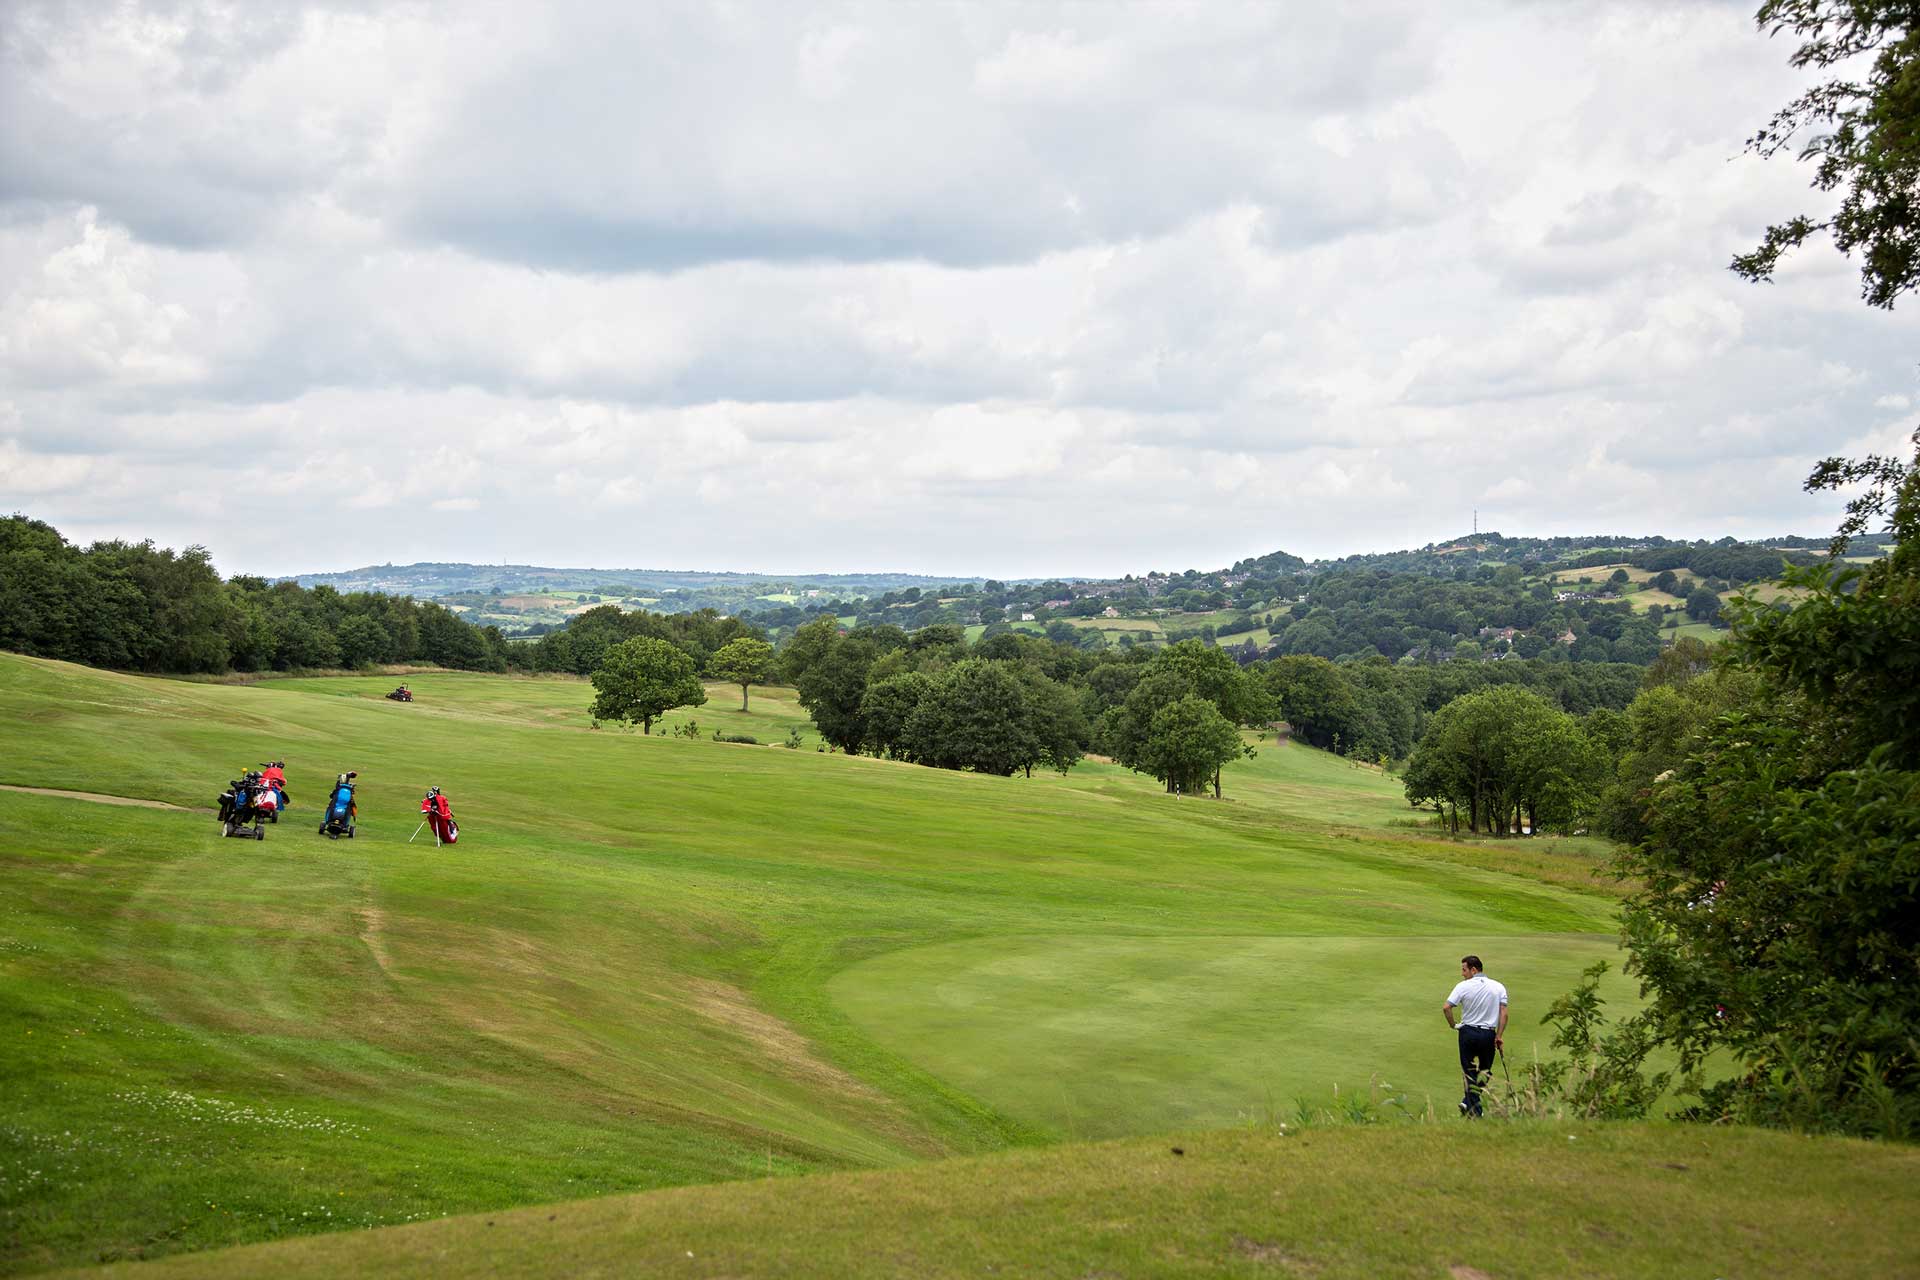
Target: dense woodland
[138, 607]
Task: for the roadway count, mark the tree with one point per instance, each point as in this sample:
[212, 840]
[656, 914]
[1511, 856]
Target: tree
[1776, 923]
[1058, 730]
[833, 687]
[1683, 660]
[1314, 698]
[1215, 676]
[1703, 606]
[1188, 743]
[1862, 134]
[887, 707]
[745, 662]
[1504, 754]
[641, 679]
[975, 716]
[363, 641]
[806, 646]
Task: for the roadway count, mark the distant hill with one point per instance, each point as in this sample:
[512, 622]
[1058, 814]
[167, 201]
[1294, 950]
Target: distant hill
[524, 597]
[432, 578]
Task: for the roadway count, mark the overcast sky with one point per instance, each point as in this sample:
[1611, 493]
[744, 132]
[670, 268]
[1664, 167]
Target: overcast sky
[1007, 290]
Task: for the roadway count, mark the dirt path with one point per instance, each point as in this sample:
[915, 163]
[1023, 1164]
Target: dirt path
[97, 798]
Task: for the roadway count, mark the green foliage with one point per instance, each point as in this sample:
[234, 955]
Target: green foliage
[832, 683]
[1184, 749]
[579, 646]
[134, 606]
[1503, 754]
[1660, 729]
[887, 707]
[745, 661]
[1188, 743]
[976, 716]
[1777, 918]
[1604, 1075]
[1703, 605]
[641, 678]
[1861, 131]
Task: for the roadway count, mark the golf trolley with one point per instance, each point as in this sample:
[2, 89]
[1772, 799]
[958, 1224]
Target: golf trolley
[341, 809]
[402, 694]
[246, 805]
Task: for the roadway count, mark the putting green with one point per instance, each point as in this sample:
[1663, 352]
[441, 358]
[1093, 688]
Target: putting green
[1097, 1037]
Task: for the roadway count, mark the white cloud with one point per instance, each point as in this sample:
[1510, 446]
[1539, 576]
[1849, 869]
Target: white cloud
[1006, 289]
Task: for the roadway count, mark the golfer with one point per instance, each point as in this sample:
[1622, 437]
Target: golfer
[1482, 1003]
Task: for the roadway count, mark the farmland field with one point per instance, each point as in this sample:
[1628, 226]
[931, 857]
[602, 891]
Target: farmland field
[657, 961]
[1598, 574]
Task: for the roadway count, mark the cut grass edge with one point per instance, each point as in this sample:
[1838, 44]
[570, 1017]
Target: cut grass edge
[1546, 1198]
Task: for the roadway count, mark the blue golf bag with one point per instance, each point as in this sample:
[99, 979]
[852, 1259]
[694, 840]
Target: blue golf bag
[341, 809]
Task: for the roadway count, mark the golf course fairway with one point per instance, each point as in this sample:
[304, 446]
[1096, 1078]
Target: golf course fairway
[659, 961]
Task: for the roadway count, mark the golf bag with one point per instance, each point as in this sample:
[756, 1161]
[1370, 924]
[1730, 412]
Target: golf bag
[274, 774]
[245, 806]
[439, 816]
[341, 809]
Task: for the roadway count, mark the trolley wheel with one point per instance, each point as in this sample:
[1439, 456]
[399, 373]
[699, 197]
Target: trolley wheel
[226, 828]
[349, 833]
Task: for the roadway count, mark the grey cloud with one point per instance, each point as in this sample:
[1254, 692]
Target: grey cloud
[883, 276]
[1604, 215]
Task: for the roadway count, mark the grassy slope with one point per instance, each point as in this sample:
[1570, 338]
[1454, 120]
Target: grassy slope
[1471, 1203]
[651, 961]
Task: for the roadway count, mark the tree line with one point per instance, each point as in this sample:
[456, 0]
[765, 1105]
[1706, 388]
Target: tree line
[133, 606]
[1012, 701]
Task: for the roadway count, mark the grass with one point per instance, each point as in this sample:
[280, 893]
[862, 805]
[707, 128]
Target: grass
[1410, 1202]
[1098, 1036]
[654, 961]
[1598, 574]
[1698, 630]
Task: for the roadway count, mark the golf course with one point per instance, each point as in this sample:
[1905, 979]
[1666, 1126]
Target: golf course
[1058, 1025]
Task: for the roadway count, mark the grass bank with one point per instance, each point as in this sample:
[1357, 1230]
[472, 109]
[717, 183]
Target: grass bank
[1466, 1203]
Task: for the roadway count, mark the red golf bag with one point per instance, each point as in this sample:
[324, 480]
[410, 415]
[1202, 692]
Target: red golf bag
[439, 815]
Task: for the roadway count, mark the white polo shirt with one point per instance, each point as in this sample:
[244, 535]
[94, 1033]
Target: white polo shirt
[1480, 999]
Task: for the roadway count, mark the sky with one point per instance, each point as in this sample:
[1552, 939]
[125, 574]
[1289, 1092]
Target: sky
[999, 290]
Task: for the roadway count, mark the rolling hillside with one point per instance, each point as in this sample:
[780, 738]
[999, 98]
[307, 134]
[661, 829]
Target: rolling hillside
[659, 961]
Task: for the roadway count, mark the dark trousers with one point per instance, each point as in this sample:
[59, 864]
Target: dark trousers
[1476, 1058]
